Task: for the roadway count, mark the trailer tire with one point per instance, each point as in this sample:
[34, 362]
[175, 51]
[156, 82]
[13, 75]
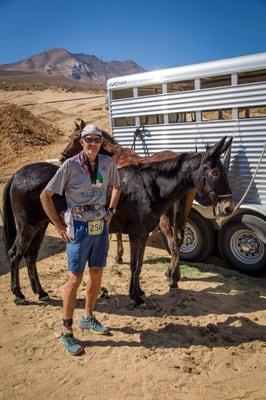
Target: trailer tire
[198, 241]
[256, 224]
[240, 243]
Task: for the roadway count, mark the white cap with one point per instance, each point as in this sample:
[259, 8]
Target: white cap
[90, 130]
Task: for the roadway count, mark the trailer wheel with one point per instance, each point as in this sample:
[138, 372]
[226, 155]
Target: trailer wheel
[198, 239]
[241, 244]
[256, 224]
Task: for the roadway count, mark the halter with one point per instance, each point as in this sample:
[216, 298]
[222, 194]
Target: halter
[209, 190]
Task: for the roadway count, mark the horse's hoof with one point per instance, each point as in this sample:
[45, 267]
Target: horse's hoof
[119, 260]
[20, 300]
[44, 297]
[143, 305]
[141, 292]
[140, 303]
[173, 290]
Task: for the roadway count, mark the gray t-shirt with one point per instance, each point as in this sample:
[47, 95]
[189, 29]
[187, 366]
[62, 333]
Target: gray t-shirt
[79, 190]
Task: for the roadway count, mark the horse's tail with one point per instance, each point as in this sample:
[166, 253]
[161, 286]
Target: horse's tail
[9, 226]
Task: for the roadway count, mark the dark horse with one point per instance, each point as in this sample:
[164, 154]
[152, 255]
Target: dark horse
[25, 222]
[147, 192]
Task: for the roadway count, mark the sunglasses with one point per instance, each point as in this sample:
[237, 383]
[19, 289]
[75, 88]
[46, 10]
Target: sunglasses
[90, 140]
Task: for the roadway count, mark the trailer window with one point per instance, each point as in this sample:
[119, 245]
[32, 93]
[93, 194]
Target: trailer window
[150, 90]
[251, 76]
[215, 81]
[124, 121]
[174, 118]
[122, 93]
[212, 115]
[151, 119]
[180, 86]
[252, 112]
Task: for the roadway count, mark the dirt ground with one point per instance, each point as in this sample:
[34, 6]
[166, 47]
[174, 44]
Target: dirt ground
[47, 107]
[206, 342]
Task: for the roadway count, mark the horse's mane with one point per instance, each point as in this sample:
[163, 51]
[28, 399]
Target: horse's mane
[164, 165]
[108, 137]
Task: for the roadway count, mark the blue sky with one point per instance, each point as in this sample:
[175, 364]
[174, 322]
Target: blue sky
[155, 34]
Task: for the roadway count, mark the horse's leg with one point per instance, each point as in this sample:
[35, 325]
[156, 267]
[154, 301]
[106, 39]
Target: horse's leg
[120, 249]
[15, 254]
[137, 248]
[141, 255]
[181, 214]
[31, 258]
[166, 229]
[178, 235]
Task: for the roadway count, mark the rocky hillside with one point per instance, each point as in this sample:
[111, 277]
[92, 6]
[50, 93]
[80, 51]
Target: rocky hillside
[60, 64]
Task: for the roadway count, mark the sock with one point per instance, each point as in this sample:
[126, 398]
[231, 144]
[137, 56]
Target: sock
[67, 323]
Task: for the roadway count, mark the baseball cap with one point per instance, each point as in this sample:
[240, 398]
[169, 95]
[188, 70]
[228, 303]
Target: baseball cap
[90, 130]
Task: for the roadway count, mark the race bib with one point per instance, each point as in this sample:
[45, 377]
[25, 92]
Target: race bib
[95, 227]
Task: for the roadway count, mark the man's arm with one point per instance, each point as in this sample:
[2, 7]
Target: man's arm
[115, 197]
[114, 180]
[116, 191]
[49, 208]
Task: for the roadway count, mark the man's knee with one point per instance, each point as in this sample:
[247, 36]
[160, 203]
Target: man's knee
[96, 270]
[96, 274]
[74, 279]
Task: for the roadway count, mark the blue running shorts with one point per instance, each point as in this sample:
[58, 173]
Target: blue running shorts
[85, 248]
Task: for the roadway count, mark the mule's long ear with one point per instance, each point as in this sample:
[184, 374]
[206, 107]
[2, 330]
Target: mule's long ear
[219, 148]
[77, 125]
[226, 145]
[82, 124]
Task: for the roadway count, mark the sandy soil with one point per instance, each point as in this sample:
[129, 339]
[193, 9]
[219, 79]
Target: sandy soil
[206, 342]
[60, 114]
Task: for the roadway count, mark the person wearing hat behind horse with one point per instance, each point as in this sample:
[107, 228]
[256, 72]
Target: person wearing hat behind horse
[83, 179]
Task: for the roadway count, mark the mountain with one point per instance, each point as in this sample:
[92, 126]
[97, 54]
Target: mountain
[70, 68]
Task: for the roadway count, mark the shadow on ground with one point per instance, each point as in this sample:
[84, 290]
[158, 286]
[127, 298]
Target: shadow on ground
[232, 332]
[50, 246]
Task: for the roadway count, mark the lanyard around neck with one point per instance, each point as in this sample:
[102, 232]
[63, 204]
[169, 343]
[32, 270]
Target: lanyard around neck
[93, 168]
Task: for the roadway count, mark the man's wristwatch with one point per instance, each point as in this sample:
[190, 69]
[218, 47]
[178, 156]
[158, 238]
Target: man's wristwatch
[111, 210]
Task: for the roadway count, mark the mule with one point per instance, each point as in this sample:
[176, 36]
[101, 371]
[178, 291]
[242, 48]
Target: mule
[149, 190]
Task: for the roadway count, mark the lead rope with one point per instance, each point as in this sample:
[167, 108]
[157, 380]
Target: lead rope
[141, 135]
[145, 147]
[252, 179]
[237, 129]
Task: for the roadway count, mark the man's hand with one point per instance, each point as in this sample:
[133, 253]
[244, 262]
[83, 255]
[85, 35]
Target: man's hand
[62, 230]
[108, 218]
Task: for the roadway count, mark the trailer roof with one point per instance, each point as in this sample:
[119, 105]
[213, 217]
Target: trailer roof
[210, 68]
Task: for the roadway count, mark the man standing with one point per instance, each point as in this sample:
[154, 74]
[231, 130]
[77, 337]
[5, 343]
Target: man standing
[84, 180]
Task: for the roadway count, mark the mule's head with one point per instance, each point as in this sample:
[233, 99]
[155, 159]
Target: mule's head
[109, 146]
[73, 147]
[211, 180]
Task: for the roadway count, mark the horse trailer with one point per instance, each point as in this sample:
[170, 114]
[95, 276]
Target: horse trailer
[189, 107]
